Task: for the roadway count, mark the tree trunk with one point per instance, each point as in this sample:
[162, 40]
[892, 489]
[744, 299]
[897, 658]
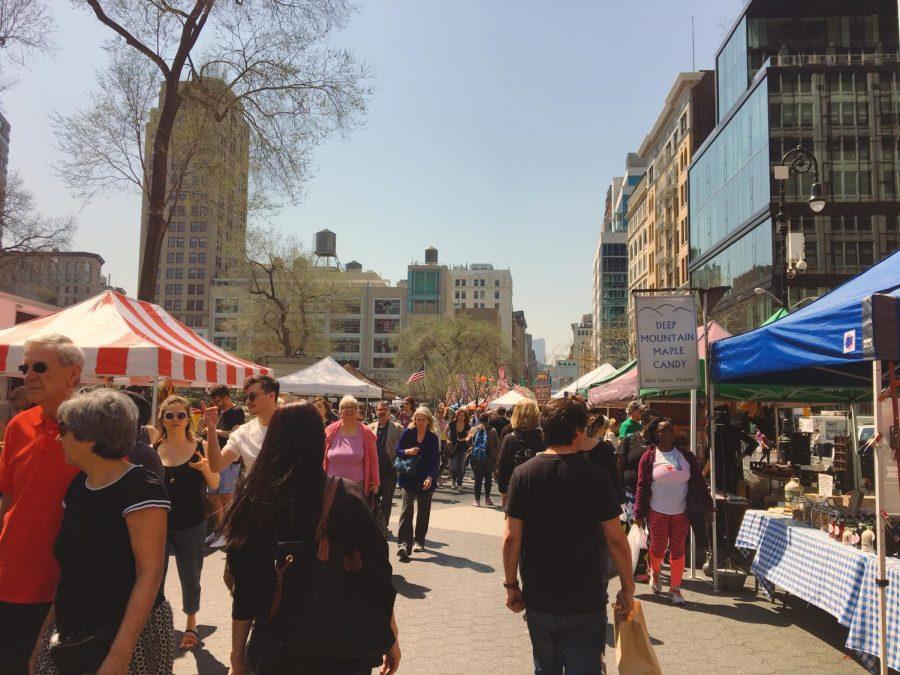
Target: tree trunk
[156, 201]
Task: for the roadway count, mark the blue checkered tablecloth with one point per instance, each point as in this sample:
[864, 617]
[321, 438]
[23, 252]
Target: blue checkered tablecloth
[835, 577]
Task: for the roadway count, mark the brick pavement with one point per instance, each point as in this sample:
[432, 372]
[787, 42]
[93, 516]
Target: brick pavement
[452, 618]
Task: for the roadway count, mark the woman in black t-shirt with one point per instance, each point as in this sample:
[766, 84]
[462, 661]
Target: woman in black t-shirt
[457, 437]
[187, 475]
[602, 452]
[110, 548]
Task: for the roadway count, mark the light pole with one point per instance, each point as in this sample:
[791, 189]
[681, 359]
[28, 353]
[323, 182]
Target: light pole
[798, 161]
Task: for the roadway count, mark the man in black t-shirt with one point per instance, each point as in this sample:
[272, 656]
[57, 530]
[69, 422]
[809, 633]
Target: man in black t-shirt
[562, 515]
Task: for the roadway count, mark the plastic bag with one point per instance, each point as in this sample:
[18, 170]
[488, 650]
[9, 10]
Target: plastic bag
[637, 540]
[634, 652]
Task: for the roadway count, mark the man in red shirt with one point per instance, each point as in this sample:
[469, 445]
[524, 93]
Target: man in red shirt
[33, 481]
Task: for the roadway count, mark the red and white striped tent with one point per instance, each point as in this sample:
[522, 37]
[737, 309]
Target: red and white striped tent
[126, 338]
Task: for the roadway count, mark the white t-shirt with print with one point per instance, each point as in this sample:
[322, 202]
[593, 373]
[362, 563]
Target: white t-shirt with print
[671, 474]
[246, 441]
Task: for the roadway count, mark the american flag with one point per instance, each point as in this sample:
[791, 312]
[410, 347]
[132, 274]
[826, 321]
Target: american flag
[418, 375]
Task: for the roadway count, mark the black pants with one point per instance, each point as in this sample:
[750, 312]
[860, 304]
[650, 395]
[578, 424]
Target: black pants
[20, 626]
[410, 500]
[388, 478]
[482, 475]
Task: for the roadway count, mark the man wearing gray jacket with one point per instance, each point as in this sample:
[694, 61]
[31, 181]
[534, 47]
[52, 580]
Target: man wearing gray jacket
[387, 432]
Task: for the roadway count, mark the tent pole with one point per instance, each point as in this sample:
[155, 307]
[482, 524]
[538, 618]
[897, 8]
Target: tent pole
[854, 441]
[879, 526]
[693, 448]
[154, 396]
[711, 435]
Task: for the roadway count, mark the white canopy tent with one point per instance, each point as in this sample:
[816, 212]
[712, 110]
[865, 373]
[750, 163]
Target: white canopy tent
[327, 378]
[586, 380]
[508, 400]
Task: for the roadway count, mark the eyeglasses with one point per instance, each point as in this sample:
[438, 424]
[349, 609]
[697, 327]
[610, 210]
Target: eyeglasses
[40, 367]
[171, 416]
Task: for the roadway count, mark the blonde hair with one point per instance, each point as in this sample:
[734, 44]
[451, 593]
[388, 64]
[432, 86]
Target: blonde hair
[348, 400]
[526, 415]
[424, 410]
[162, 432]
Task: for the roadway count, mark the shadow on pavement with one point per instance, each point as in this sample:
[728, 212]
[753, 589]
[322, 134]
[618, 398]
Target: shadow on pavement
[207, 664]
[409, 590]
[455, 561]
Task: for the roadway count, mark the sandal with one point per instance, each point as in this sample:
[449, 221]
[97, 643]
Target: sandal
[189, 640]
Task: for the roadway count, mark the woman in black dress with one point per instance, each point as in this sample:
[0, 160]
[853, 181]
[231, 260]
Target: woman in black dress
[282, 501]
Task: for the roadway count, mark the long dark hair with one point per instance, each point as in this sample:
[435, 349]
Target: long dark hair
[281, 496]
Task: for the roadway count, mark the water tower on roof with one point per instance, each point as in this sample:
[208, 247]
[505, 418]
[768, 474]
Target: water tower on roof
[431, 255]
[325, 253]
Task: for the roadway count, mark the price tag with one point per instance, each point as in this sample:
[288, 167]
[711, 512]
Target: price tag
[826, 485]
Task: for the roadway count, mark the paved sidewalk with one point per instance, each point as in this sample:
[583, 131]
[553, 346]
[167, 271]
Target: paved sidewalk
[452, 618]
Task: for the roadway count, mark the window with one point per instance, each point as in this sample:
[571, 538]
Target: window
[194, 242]
[383, 362]
[226, 343]
[387, 326]
[345, 345]
[201, 272]
[170, 273]
[351, 326]
[170, 289]
[226, 305]
[190, 289]
[176, 305]
[496, 282]
[383, 346]
[456, 282]
[391, 307]
[497, 295]
[179, 273]
[172, 241]
[346, 306]
[167, 305]
[190, 305]
[222, 325]
[851, 254]
[496, 305]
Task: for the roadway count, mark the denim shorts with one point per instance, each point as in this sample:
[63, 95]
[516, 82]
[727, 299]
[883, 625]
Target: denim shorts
[227, 480]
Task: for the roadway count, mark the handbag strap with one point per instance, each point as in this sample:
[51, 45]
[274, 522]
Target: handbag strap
[331, 484]
[321, 536]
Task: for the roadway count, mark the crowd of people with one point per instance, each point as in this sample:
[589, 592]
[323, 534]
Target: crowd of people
[96, 499]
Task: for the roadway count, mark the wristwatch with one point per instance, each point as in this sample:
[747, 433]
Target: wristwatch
[514, 584]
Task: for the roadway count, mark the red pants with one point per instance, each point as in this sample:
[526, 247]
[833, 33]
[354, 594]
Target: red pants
[668, 532]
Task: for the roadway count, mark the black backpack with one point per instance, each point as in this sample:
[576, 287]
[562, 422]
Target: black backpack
[523, 452]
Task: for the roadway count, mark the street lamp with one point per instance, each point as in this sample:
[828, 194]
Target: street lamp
[798, 161]
[762, 291]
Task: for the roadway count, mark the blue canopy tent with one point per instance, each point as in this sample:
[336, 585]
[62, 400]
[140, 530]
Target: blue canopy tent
[820, 344]
[837, 341]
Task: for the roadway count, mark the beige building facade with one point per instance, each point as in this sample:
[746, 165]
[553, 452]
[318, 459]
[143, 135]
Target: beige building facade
[208, 179]
[59, 278]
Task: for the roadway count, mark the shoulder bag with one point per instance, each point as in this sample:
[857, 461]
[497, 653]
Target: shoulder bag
[82, 652]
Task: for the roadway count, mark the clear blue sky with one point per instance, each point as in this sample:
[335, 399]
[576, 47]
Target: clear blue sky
[492, 135]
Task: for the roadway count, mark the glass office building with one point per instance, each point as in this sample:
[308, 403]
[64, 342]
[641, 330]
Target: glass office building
[817, 73]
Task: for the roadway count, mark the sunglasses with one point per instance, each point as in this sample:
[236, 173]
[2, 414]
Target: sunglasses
[171, 416]
[40, 367]
[254, 395]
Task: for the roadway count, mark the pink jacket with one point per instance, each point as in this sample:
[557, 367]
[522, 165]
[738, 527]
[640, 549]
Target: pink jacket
[370, 453]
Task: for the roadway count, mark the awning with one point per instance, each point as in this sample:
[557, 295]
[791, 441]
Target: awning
[327, 378]
[126, 338]
[820, 344]
[586, 380]
[508, 400]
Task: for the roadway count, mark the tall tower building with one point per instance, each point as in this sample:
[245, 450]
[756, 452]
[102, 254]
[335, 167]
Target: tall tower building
[206, 239]
[4, 152]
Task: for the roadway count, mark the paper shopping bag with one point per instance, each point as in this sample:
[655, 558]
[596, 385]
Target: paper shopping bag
[634, 653]
[637, 540]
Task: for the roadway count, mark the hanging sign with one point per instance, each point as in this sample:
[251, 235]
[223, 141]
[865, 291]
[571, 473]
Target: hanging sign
[667, 342]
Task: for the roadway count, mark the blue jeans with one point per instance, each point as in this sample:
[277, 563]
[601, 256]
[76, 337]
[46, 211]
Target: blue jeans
[187, 545]
[570, 643]
[458, 468]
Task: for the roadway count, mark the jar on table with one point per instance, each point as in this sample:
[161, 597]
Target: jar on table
[867, 540]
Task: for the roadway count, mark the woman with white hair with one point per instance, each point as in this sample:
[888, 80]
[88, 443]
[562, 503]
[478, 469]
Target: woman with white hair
[109, 613]
[351, 450]
[418, 463]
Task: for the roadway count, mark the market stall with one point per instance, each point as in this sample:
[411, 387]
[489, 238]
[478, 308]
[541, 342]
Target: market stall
[586, 380]
[838, 341]
[130, 340]
[327, 378]
[508, 400]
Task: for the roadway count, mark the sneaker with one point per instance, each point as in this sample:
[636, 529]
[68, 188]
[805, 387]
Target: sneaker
[677, 597]
[488, 501]
[211, 537]
[218, 543]
[404, 554]
[476, 503]
[418, 548]
[656, 585]
[642, 578]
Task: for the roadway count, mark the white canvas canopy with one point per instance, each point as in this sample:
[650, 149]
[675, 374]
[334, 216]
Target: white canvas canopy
[327, 378]
[586, 380]
[508, 400]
